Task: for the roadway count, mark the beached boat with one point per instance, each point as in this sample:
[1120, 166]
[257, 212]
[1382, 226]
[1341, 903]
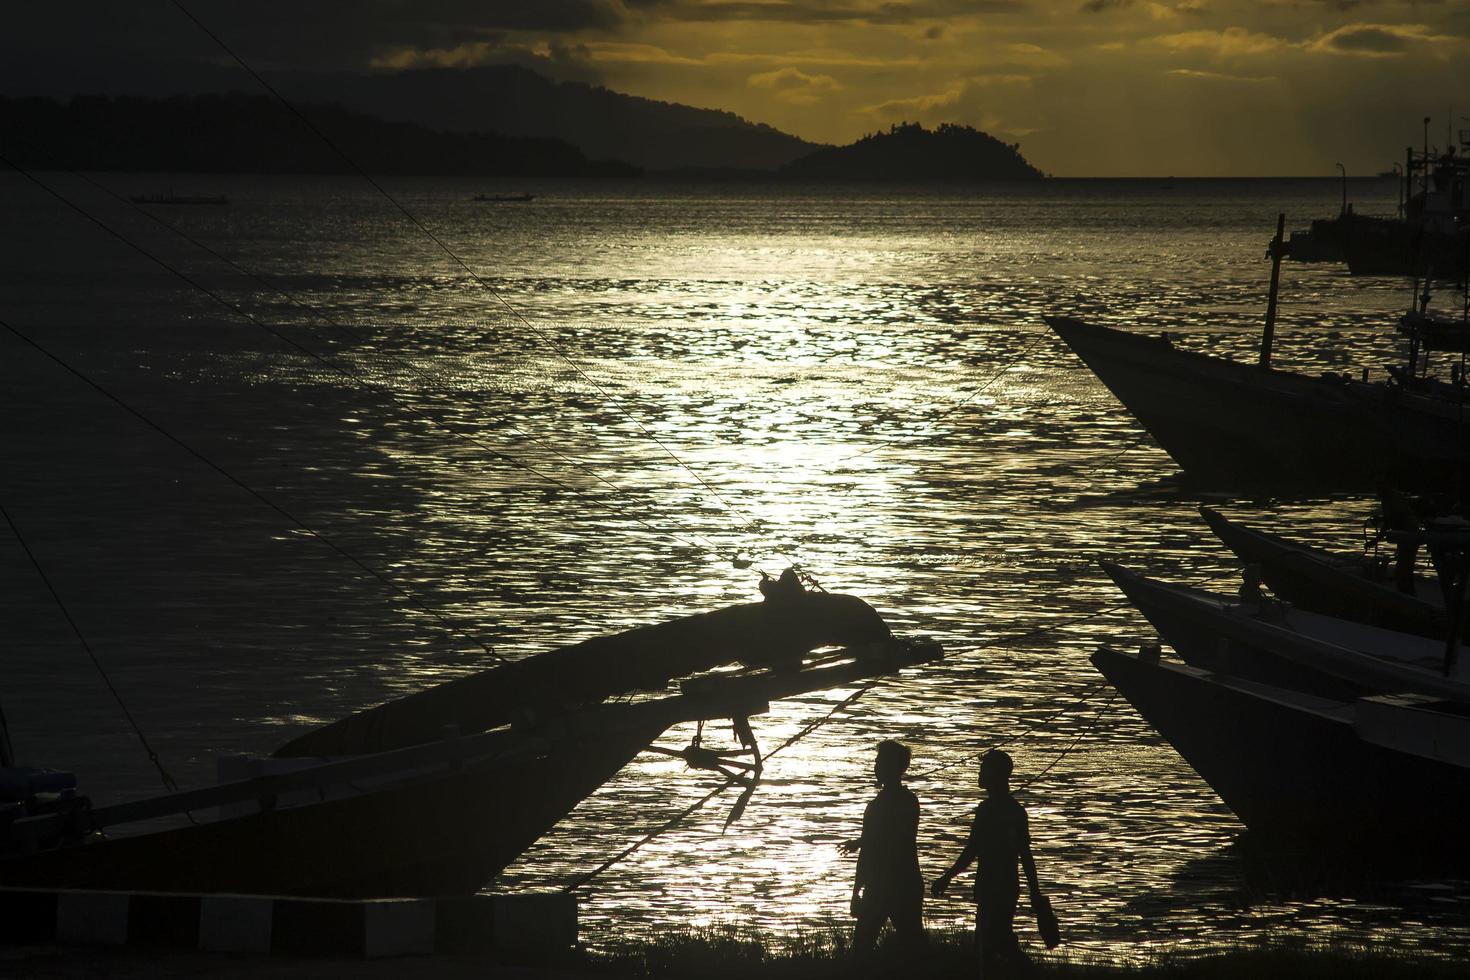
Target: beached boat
[441, 816]
[1358, 587]
[1377, 775]
[1240, 427]
[780, 630]
[1275, 643]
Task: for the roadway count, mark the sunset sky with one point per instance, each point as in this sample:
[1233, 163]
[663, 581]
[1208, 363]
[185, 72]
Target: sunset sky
[1088, 87]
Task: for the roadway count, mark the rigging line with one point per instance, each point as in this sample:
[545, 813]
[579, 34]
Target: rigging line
[1091, 693]
[920, 440]
[1007, 640]
[322, 315]
[1101, 710]
[168, 781]
[699, 804]
[540, 334]
[356, 377]
[296, 521]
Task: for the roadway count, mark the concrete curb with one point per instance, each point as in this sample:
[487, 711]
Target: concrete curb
[263, 925]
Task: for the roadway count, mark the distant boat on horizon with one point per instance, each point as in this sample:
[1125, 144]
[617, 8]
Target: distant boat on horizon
[520, 198]
[171, 198]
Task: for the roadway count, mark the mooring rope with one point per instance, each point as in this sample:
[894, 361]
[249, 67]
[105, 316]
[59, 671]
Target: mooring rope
[703, 801]
[163, 773]
[971, 396]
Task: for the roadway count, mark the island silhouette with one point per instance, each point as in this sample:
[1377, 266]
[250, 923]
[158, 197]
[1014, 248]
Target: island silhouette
[240, 133]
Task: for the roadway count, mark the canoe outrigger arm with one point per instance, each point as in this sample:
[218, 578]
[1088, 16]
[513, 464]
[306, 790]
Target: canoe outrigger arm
[729, 763]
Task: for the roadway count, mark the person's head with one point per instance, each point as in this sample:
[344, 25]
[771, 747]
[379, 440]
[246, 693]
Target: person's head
[995, 770]
[892, 762]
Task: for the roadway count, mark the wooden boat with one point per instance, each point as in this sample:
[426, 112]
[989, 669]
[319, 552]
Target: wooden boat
[1274, 643]
[1347, 586]
[778, 631]
[1237, 426]
[1387, 773]
[435, 818]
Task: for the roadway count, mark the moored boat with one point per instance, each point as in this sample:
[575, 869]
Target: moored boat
[1274, 643]
[1384, 774]
[1240, 427]
[1348, 586]
[435, 818]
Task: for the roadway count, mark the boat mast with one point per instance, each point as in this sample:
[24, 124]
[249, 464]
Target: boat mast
[1277, 250]
[7, 755]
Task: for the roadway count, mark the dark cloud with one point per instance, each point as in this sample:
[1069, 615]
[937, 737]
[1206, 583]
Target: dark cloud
[823, 11]
[1100, 6]
[318, 34]
[1367, 40]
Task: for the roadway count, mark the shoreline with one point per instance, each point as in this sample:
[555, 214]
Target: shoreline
[737, 953]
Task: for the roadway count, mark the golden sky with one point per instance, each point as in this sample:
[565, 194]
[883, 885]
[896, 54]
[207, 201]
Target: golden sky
[1088, 87]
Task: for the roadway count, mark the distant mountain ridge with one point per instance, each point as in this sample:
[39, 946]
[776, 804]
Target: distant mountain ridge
[237, 133]
[908, 151]
[516, 101]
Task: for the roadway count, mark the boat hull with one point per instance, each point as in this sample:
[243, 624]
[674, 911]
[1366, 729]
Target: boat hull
[1275, 644]
[1239, 427]
[1333, 585]
[1293, 768]
[443, 835]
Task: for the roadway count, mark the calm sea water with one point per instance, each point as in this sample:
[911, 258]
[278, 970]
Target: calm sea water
[855, 380]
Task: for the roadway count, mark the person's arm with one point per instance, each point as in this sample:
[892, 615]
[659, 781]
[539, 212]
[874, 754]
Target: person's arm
[960, 864]
[1028, 864]
[860, 877]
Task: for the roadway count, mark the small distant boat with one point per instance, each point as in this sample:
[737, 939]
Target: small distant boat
[1387, 774]
[505, 198]
[172, 198]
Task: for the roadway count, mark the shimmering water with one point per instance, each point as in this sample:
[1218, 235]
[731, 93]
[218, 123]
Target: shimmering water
[860, 379]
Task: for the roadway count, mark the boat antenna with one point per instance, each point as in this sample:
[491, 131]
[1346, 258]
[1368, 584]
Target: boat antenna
[168, 781]
[747, 522]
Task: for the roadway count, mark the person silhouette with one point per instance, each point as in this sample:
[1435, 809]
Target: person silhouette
[888, 885]
[999, 840]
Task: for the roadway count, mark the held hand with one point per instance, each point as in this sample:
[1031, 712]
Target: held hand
[856, 907]
[851, 846]
[940, 884]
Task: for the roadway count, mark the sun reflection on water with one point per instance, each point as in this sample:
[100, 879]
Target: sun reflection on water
[867, 385]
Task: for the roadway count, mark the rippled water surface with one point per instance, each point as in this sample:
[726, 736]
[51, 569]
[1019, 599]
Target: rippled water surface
[853, 380]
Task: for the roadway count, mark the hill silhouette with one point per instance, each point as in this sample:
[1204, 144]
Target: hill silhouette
[253, 134]
[517, 101]
[908, 151]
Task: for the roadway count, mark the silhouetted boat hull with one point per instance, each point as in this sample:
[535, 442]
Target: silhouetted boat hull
[1394, 247]
[1287, 647]
[427, 820]
[1304, 771]
[643, 658]
[441, 835]
[1346, 586]
[1237, 426]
